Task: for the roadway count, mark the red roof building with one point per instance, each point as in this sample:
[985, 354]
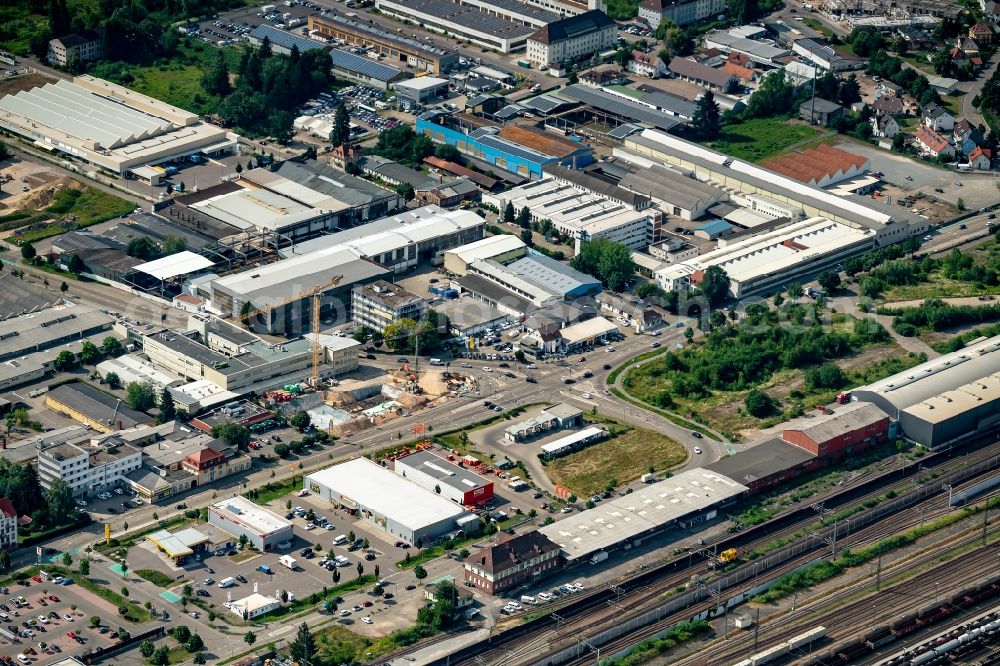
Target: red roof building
[844, 430]
[820, 166]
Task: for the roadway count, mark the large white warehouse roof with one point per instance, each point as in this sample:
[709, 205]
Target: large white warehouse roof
[375, 488]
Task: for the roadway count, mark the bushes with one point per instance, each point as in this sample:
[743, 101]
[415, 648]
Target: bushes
[936, 315]
[155, 577]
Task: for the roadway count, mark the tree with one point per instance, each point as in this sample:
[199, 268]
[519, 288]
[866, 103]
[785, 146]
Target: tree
[168, 410]
[181, 633]
[140, 396]
[216, 78]
[162, 656]
[446, 151]
[239, 168]
[795, 290]
[63, 287]
[849, 91]
[758, 403]
[360, 569]
[829, 280]
[676, 40]
[341, 132]
[828, 375]
[113, 380]
[200, 658]
[4, 561]
[406, 191]
[523, 219]
[89, 353]
[623, 56]
[419, 572]
[233, 434]
[706, 120]
[67, 560]
[608, 261]
[714, 285]
[689, 334]
[84, 568]
[774, 96]
[65, 360]
[146, 648]
[300, 421]
[59, 502]
[249, 638]
[187, 590]
[194, 644]
[508, 213]
[742, 11]
[866, 41]
[110, 346]
[76, 265]
[143, 248]
[526, 237]
[28, 251]
[303, 648]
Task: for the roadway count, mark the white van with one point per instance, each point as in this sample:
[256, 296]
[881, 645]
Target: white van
[340, 540]
[436, 361]
[527, 599]
[227, 582]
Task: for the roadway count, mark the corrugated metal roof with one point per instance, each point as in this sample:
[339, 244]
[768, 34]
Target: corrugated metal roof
[173, 265]
[619, 106]
[339, 58]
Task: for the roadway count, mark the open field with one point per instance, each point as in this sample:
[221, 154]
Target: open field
[758, 139]
[80, 208]
[15, 84]
[622, 459]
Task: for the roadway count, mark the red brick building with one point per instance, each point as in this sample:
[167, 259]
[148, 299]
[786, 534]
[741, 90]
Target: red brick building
[512, 561]
[841, 431]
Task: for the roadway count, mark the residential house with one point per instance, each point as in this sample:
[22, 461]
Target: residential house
[8, 524]
[966, 59]
[933, 144]
[740, 66]
[712, 57]
[967, 44]
[890, 105]
[914, 36]
[991, 10]
[820, 111]
[601, 77]
[890, 89]
[982, 33]
[937, 118]
[980, 158]
[967, 137]
[884, 126]
[647, 64]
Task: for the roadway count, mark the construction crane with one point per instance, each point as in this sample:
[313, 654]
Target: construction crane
[315, 294]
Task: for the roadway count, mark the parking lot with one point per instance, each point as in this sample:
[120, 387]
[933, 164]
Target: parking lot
[64, 629]
[233, 27]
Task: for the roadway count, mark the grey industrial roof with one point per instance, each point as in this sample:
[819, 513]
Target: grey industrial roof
[588, 181]
[444, 471]
[668, 101]
[841, 420]
[760, 461]
[481, 286]
[573, 27]
[366, 67]
[36, 331]
[395, 171]
[466, 312]
[84, 239]
[619, 106]
[97, 405]
[625, 130]
[468, 17]
[648, 509]
[386, 36]
[821, 105]
[285, 39]
[20, 296]
[699, 72]
[668, 185]
[551, 274]
[326, 180]
[546, 104]
[940, 375]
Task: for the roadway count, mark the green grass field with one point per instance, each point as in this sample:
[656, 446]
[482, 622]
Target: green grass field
[760, 138]
[623, 458]
[89, 206]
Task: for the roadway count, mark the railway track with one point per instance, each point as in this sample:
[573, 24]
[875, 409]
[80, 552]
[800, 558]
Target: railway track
[630, 597]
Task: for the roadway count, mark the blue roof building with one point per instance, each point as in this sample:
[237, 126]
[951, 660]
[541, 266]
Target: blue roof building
[714, 229]
[525, 151]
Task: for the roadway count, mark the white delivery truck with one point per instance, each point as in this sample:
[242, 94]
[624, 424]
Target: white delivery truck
[288, 561]
[598, 557]
[227, 582]
[527, 599]
[340, 540]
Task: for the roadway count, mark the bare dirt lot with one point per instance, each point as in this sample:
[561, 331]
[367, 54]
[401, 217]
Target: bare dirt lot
[16, 84]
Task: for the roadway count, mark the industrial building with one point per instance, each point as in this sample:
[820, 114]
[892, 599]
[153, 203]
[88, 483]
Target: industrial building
[585, 333]
[344, 64]
[567, 39]
[76, 47]
[518, 149]
[625, 111]
[377, 305]
[581, 214]
[503, 26]
[501, 248]
[946, 400]
[404, 240]
[685, 499]
[888, 224]
[397, 49]
[29, 342]
[467, 317]
[840, 430]
[109, 126]
[572, 442]
[239, 516]
[757, 51]
[254, 605]
[94, 408]
[561, 416]
[457, 483]
[766, 464]
[420, 91]
[769, 259]
[237, 360]
[400, 507]
[820, 166]
[512, 561]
